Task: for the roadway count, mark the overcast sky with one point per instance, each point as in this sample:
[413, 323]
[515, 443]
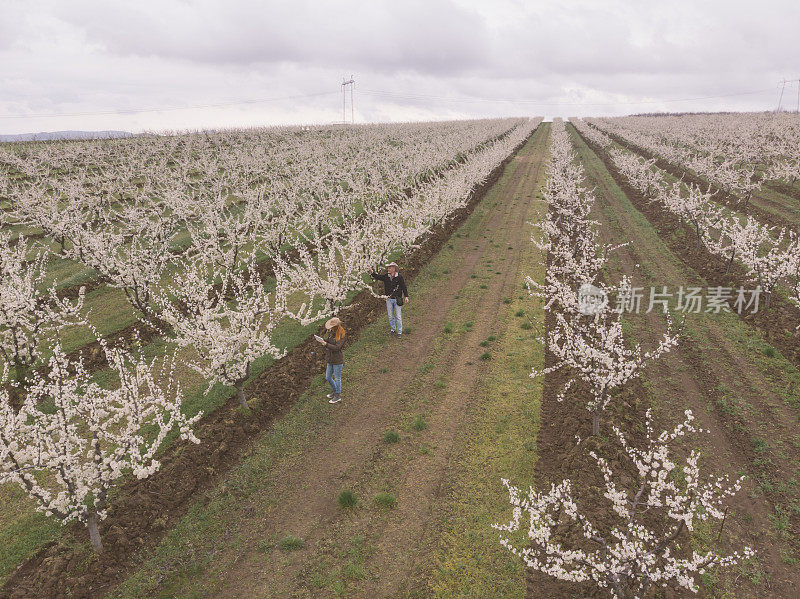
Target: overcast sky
[411, 59]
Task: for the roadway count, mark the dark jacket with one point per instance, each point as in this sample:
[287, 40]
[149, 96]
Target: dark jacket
[333, 349]
[394, 287]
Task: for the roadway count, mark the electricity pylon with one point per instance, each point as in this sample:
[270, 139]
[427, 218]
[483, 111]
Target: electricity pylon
[352, 84]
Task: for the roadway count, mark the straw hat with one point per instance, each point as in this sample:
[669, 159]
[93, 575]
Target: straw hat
[393, 264]
[333, 322]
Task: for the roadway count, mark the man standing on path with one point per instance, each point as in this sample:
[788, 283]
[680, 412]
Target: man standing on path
[396, 295]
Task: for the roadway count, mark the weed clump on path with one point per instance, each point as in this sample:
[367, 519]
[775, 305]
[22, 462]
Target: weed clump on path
[347, 499]
[385, 500]
[291, 543]
[391, 437]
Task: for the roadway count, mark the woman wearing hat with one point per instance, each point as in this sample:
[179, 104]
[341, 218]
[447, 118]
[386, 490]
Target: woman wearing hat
[394, 287]
[333, 342]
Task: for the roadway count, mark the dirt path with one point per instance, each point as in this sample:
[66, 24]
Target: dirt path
[351, 453]
[424, 481]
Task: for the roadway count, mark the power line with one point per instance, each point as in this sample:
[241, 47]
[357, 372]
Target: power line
[163, 109]
[782, 84]
[471, 99]
[374, 93]
[352, 84]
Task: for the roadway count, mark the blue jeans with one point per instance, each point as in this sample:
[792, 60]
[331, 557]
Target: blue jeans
[333, 374]
[395, 315]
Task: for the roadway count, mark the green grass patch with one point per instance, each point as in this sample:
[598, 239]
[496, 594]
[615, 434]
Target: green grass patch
[291, 543]
[391, 437]
[470, 561]
[385, 500]
[347, 499]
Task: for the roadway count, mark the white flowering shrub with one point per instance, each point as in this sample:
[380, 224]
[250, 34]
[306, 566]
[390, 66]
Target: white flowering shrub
[770, 257]
[41, 209]
[72, 439]
[133, 258]
[28, 315]
[229, 318]
[225, 233]
[568, 236]
[794, 297]
[590, 345]
[648, 545]
[327, 270]
[787, 170]
[594, 349]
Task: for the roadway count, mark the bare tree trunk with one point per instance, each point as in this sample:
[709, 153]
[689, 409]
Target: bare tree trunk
[240, 394]
[621, 589]
[596, 416]
[94, 533]
[730, 262]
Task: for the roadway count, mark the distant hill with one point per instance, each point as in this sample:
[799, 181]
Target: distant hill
[46, 136]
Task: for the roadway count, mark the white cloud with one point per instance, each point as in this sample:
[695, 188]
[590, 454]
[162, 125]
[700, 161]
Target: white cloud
[414, 34]
[569, 56]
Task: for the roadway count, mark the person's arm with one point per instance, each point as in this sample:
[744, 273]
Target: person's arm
[377, 277]
[403, 288]
[336, 345]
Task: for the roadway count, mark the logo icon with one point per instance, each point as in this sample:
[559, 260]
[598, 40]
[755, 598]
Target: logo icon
[591, 300]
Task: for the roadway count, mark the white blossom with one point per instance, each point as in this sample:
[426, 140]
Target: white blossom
[28, 315]
[71, 438]
[631, 556]
[228, 318]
